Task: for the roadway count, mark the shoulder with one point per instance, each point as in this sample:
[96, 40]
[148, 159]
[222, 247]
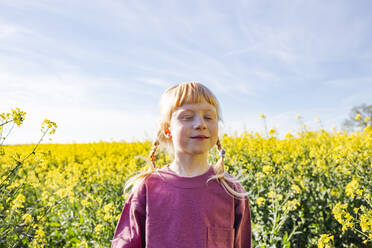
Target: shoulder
[140, 188]
[138, 192]
[237, 186]
[241, 196]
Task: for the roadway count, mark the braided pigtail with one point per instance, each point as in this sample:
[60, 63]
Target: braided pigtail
[152, 154]
[220, 166]
[221, 176]
[136, 180]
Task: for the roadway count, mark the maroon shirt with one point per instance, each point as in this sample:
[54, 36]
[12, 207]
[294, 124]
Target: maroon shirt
[169, 211]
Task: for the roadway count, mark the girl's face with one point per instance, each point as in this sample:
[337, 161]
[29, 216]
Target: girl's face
[194, 128]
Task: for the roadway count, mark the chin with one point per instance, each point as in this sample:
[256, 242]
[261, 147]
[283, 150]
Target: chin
[198, 152]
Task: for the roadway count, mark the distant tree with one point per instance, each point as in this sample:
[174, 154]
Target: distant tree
[359, 117]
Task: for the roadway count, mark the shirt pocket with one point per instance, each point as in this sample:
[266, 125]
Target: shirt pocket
[220, 237]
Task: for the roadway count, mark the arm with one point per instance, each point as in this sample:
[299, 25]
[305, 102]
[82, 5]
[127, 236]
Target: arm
[242, 224]
[130, 230]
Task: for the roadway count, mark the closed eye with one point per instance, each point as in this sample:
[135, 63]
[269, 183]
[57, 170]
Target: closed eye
[209, 117]
[187, 117]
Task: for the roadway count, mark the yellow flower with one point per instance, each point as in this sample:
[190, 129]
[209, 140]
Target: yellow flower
[62, 192]
[39, 236]
[280, 197]
[298, 116]
[85, 203]
[18, 116]
[348, 217]
[27, 218]
[259, 176]
[291, 205]
[267, 169]
[342, 216]
[50, 125]
[40, 232]
[351, 188]
[272, 131]
[367, 129]
[108, 207]
[296, 189]
[358, 117]
[18, 201]
[82, 244]
[324, 240]
[334, 192]
[366, 221]
[367, 119]
[98, 229]
[271, 194]
[337, 212]
[262, 116]
[360, 191]
[107, 217]
[288, 135]
[260, 201]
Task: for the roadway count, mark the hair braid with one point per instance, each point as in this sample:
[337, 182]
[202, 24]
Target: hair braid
[220, 167]
[135, 181]
[152, 154]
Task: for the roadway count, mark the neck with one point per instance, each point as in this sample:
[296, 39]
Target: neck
[186, 165]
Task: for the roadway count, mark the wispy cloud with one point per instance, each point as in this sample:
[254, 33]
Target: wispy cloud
[117, 57]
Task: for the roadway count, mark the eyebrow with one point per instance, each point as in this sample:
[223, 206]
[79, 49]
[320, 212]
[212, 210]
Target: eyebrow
[205, 110]
[185, 112]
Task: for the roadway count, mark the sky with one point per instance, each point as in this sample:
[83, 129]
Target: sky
[98, 68]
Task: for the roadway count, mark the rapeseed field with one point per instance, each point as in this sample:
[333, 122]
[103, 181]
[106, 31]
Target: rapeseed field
[309, 189]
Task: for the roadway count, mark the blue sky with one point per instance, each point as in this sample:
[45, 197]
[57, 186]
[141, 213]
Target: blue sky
[98, 68]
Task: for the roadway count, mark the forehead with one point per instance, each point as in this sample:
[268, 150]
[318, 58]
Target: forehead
[202, 106]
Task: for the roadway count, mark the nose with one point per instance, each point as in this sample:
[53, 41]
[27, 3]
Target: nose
[199, 123]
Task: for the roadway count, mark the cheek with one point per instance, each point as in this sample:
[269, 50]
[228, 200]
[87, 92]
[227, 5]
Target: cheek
[214, 128]
[179, 132]
[214, 133]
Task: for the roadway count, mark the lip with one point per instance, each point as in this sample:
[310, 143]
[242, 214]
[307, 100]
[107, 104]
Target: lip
[200, 137]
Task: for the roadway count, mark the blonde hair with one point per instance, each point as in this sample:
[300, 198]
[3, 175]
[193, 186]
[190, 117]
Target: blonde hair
[172, 98]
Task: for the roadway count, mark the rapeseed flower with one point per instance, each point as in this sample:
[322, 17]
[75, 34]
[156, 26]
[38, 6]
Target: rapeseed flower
[98, 229]
[27, 218]
[324, 241]
[18, 201]
[351, 188]
[260, 201]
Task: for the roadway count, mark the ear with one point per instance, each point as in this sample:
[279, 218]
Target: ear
[166, 131]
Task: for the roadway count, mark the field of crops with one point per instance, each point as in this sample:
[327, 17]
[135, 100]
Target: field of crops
[310, 189]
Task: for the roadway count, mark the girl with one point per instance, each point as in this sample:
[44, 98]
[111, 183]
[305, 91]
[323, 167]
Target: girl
[187, 203]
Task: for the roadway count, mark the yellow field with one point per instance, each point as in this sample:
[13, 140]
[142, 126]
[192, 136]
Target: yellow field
[312, 190]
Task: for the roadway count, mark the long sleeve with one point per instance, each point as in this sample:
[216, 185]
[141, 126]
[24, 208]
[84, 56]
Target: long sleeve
[130, 229]
[242, 224]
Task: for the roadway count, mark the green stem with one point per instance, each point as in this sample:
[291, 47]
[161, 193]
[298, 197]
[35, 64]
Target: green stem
[8, 134]
[2, 124]
[19, 163]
